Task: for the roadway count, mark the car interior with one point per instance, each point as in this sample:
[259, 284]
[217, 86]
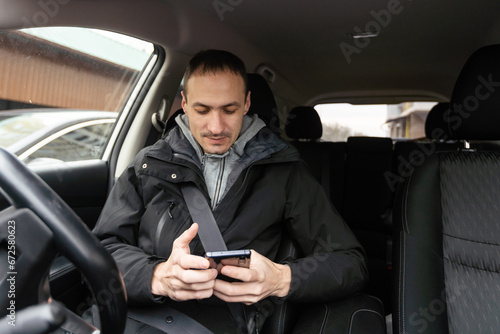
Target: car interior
[423, 203]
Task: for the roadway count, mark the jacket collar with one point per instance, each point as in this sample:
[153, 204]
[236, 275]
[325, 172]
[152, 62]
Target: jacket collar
[264, 147]
[250, 127]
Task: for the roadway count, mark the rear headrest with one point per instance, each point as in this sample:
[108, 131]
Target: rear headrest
[435, 125]
[475, 102]
[304, 123]
[263, 103]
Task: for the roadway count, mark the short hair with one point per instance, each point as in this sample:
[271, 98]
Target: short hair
[213, 62]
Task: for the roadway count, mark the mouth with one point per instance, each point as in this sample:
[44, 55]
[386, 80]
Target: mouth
[216, 140]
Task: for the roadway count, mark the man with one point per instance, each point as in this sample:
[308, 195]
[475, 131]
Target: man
[256, 186]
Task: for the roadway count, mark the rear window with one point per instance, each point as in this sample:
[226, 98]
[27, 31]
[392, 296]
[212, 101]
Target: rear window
[56, 80]
[397, 121]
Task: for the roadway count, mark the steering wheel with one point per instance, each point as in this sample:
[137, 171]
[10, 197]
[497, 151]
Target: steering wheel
[32, 231]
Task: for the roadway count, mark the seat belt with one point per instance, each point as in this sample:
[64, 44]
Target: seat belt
[211, 239]
[167, 318]
[208, 230]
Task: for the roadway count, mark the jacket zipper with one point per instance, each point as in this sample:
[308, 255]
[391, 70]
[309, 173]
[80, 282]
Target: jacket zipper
[161, 224]
[218, 186]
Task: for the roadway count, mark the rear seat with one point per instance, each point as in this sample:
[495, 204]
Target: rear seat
[326, 160]
[368, 207]
[352, 174]
[408, 155]
[361, 177]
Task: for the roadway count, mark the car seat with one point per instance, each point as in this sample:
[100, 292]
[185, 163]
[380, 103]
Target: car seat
[446, 223]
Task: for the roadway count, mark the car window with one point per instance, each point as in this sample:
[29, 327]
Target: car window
[84, 143]
[397, 121]
[55, 78]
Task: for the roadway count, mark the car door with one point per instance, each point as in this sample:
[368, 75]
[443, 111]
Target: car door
[73, 73]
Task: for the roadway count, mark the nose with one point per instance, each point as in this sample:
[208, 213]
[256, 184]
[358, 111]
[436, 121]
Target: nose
[216, 123]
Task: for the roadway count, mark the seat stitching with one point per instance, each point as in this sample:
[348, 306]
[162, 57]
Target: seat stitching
[362, 310]
[376, 298]
[469, 266]
[402, 285]
[470, 240]
[402, 268]
[324, 319]
[405, 205]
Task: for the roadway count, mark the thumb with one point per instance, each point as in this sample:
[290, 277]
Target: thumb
[185, 238]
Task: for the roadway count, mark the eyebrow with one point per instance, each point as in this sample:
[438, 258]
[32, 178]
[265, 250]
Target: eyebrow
[231, 104]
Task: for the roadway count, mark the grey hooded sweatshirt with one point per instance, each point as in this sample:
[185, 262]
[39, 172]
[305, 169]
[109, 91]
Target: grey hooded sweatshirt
[222, 170]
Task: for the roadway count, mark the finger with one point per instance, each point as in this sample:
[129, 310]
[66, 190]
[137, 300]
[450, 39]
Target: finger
[245, 299]
[235, 289]
[182, 295]
[238, 292]
[197, 276]
[188, 261]
[242, 274]
[185, 238]
[201, 286]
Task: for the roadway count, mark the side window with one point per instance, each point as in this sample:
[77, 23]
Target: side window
[84, 143]
[62, 89]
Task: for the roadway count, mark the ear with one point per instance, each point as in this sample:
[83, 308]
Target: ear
[247, 103]
[184, 101]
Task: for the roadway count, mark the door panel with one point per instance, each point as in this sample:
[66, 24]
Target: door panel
[82, 185]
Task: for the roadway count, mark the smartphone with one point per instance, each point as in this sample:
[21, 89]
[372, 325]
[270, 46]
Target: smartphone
[238, 258]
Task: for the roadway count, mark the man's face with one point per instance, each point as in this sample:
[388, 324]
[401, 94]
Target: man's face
[215, 105]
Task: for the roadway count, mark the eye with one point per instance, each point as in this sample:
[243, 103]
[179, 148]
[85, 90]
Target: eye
[230, 110]
[201, 111]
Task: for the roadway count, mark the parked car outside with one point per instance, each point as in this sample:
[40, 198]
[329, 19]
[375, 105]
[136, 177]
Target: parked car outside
[41, 135]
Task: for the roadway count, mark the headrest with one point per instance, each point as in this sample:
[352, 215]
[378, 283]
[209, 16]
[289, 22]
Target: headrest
[262, 102]
[475, 102]
[435, 125]
[304, 123]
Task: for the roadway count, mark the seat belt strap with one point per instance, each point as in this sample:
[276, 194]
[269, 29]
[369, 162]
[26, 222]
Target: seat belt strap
[210, 237]
[168, 320]
[208, 230]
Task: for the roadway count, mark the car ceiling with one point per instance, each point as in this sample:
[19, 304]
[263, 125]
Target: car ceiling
[416, 56]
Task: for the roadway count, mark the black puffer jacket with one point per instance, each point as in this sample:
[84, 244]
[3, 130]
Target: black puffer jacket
[146, 212]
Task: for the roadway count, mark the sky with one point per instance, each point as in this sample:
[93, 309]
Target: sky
[367, 119]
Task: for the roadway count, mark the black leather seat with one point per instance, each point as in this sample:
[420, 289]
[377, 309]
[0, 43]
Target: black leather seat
[367, 207]
[436, 127]
[447, 254]
[326, 160]
[263, 102]
[409, 155]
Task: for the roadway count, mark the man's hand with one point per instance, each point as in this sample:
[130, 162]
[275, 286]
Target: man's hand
[177, 278]
[264, 278]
